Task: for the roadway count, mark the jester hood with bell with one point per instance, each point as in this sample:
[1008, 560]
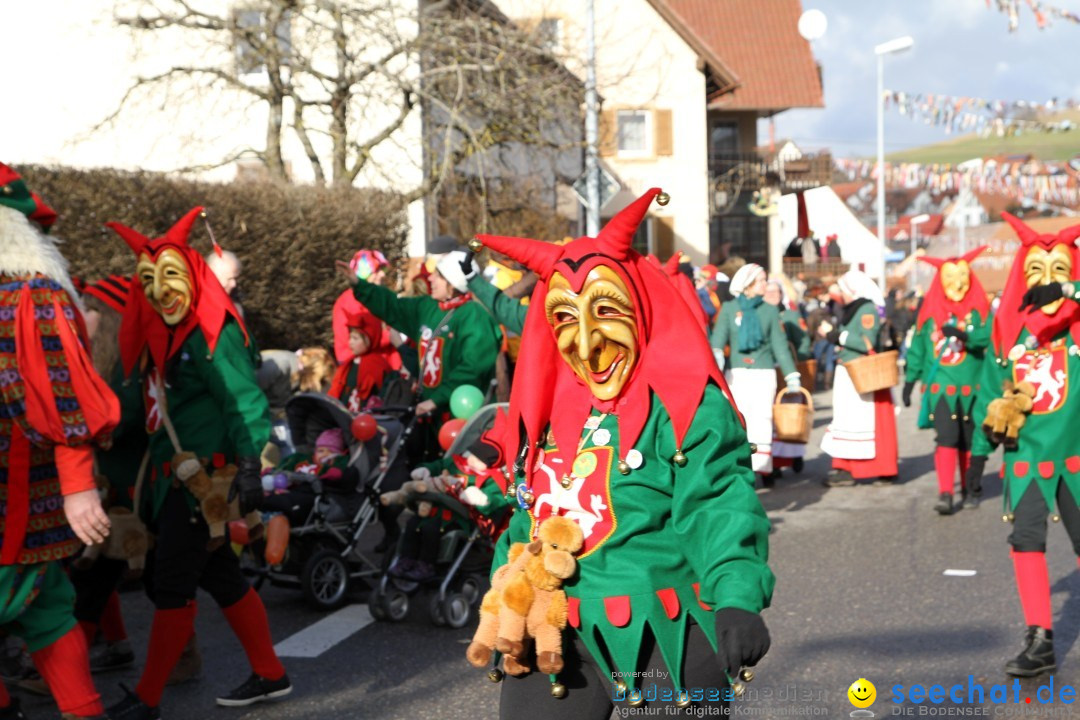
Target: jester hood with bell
[1041, 260]
[606, 329]
[955, 290]
[179, 294]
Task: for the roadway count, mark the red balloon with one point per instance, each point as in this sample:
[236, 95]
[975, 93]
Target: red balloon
[449, 432]
[363, 427]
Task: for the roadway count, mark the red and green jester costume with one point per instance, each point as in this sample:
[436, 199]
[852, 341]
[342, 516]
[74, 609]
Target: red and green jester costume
[1036, 339]
[190, 346]
[628, 428]
[55, 406]
[946, 356]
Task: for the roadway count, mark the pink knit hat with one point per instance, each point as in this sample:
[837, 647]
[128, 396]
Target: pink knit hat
[331, 439]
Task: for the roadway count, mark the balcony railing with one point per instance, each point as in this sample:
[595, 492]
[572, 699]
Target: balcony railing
[731, 174]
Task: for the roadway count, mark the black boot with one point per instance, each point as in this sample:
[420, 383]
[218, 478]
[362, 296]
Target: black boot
[971, 500]
[828, 379]
[1037, 656]
[839, 478]
[944, 504]
[797, 465]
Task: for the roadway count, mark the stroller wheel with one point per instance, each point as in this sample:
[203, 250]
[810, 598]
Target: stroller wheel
[325, 580]
[435, 611]
[375, 604]
[396, 605]
[456, 609]
[471, 586]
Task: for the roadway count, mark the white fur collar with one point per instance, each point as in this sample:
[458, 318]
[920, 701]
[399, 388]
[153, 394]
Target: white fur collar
[26, 251]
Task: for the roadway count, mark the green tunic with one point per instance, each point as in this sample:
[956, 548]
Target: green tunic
[1047, 452]
[457, 347]
[860, 333]
[773, 350]
[660, 540]
[949, 372]
[508, 312]
[215, 404]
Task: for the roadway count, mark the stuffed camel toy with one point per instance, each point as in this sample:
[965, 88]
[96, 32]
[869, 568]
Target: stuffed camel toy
[212, 492]
[1006, 415]
[526, 601]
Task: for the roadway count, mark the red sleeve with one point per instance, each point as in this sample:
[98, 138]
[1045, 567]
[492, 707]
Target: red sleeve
[342, 309]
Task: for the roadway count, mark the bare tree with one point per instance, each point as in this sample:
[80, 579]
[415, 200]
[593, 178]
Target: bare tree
[346, 81]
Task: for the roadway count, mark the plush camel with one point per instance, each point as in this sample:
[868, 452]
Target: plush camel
[128, 538]
[212, 492]
[1006, 415]
[408, 490]
[526, 601]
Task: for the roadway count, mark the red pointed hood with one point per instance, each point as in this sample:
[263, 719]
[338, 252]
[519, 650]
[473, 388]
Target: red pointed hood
[142, 328]
[676, 378]
[938, 307]
[1009, 320]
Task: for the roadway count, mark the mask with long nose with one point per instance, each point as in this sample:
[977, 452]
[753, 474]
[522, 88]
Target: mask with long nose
[596, 329]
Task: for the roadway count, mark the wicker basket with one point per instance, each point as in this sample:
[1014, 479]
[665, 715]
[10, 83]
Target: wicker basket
[874, 372]
[792, 421]
[807, 372]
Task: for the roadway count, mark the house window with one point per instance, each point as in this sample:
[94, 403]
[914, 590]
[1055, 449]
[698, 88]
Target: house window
[643, 238]
[250, 44]
[549, 33]
[634, 132]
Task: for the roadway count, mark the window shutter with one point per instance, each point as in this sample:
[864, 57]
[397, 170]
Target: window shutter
[662, 126]
[608, 134]
[664, 237]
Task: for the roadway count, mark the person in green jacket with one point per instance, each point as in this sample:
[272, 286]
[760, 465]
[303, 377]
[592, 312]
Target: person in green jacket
[507, 311]
[627, 428]
[952, 333]
[789, 454]
[1035, 350]
[755, 334]
[862, 435]
[458, 340]
[191, 349]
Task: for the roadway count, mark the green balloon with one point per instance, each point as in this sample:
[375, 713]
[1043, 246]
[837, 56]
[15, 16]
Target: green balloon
[465, 400]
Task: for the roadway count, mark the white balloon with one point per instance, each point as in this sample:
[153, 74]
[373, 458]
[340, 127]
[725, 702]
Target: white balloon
[813, 24]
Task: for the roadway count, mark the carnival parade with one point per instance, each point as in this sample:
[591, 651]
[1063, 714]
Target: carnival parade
[375, 359]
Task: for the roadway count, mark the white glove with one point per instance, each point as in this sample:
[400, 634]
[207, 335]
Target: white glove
[794, 381]
[474, 496]
[718, 353]
[420, 473]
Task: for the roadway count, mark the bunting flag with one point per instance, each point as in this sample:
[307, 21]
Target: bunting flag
[1022, 178]
[1044, 12]
[982, 116]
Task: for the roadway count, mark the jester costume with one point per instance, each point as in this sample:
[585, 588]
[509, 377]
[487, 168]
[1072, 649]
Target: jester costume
[952, 333]
[190, 346]
[621, 422]
[55, 407]
[361, 376]
[1035, 341]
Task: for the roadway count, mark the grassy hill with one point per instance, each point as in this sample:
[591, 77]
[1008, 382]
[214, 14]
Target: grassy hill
[1045, 146]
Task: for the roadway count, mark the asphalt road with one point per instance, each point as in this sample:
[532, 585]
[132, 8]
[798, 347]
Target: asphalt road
[862, 592]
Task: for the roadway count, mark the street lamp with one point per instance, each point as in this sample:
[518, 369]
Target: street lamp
[887, 48]
[915, 223]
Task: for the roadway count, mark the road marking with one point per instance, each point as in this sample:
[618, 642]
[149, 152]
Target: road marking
[959, 573]
[314, 640]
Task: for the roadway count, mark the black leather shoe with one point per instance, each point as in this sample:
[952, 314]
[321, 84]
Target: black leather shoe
[132, 708]
[971, 501]
[944, 504]
[1037, 656]
[256, 689]
[839, 478]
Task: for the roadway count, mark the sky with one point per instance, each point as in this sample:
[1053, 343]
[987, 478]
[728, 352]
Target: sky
[961, 49]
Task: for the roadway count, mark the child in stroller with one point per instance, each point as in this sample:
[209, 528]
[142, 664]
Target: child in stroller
[288, 487]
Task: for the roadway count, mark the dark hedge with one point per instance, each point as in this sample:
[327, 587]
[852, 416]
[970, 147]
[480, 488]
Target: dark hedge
[287, 237]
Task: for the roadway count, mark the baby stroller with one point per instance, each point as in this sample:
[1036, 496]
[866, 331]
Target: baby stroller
[464, 557]
[322, 557]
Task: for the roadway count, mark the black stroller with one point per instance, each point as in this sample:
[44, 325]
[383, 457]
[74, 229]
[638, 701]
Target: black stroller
[323, 557]
[464, 556]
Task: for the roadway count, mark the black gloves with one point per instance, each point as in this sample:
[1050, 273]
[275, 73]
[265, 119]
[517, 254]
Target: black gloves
[975, 473]
[954, 332]
[833, 337]
[247, 485]
[1041, 295]
[741, 639]
[468, 267]
[908, 387]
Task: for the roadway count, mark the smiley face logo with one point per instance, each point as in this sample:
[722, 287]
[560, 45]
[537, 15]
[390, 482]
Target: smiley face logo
[862, 693]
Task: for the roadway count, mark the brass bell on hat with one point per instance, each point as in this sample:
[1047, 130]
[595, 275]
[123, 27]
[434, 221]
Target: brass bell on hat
[663, 199]
[1055, 517]
[683, 700]
[624, 467]
[737, 688]
[475, 245]
[747, 674]
[620, 687]
[495, 675]
[679, 458]
[635, 699]
[1008, 517]
[558, 690]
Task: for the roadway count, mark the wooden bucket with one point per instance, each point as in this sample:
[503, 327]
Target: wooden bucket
[792, 422]
[874, 372]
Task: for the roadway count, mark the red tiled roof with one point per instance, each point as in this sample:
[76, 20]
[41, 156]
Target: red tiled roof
[759, 43]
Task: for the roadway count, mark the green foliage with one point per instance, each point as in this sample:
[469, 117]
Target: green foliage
[287, 237]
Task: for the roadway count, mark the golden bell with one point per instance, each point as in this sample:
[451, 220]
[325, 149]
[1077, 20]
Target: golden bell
[737, 689]
[1008, 517]
[495, 675]
[747, 674]
[566, 482]
[678, 458]
[1055, 518]
[636, 698]
[620, 687]
[8, 190]
[558, 690]
[683, 701]
[753, 448]
[475, 245]
[528, 497]
[624, 467]
[663, 199]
